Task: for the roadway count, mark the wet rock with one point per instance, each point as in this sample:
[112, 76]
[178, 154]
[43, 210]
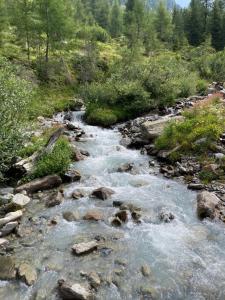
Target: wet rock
[166, 217]
[8, 228]
[126, 168]
[27, 273]
[75, 291]
[54, 199]
[78, 194]
[145, 270]
[126, 142]
[12, 216]
[136, 215]
[148, 293]
[84, 152]
[3, 242]
[71, 126]
[94, 280]
[77, 155]
[71, 176]
[94, 215]
[117, 203]
[20, 200]
[7, 269]
[71, 216]
[116, 222]
[84, 248]
[103, 193]
[196, 186]
[121, 262]
[41, 184]
[122, 215]
[207, 204]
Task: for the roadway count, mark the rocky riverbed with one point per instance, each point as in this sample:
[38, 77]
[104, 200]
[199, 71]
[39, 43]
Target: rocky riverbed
[116, 230]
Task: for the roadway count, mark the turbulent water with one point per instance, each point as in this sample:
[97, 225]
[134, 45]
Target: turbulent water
[186, 256]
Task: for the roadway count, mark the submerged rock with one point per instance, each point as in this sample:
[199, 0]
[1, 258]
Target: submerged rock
[166, 217]
[84, 248]
[94, 280]
[78, 194]
[103, 193]
[27, 273]
[126, 168]
[40, 184]
[7, 269]
[207, 204]
[71, 216]
[145, 270]
[54, 199]
[75, 291]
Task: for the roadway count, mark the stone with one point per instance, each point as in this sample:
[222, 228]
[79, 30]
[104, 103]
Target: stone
[71, 216]
[93, 215]
[116, 222]
[207, 203]
[122, 215]
[195, 186]
[71, 176]
[71, 126]
[75, 291]
[3, 242]
[77, 155]
[7, 269]
[136, 215]
[54, 199]
[94, 280]
[103, 193]
[27, 273]
[117, 203]
[166, 217]
[12, 216]
[148, 293]
[153, 129]
[8, 228]
[45, 183]
[125, 168]
[145, 270]
[20, 200]
[84, 248]
[78, 194]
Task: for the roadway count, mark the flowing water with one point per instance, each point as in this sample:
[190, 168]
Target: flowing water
[186, 256]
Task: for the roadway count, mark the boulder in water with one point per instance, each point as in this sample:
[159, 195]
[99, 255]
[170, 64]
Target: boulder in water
[3, 242]
[78, 194]
[71, 216]
[71, 176]
[84, 248]
[75, 291]
[94, 215]
[103, 193]
[8, 228]
[27, 273]
[40, 184]
[207, 204]
[122, 215]
[7, 269]
[54, 199]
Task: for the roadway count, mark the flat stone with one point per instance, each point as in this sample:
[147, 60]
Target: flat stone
[94, 215]
[45, 183]
[12, 216]
[75, 291]
[8, 228]
[7, 269]
[20, 200]
[84, 248]
[27, 273]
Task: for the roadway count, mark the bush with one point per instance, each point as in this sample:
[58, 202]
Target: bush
[14, 95]
[201, 127]
[102, 117]
[56, 162]
[94, 33]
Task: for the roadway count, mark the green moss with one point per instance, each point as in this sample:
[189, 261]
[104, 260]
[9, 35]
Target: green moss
[102, 117]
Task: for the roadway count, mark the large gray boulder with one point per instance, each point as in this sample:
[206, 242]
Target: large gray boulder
[153, 129]
[207, 205]
[40, 184]
[75, 291]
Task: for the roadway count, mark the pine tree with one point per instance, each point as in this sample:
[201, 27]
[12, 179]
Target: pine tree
[195, 23]
[163, 23]
[116, 20]
[178, 28]
[217, 26]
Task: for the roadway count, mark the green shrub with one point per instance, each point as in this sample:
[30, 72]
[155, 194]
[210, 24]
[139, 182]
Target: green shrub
[14, 99]
[201, 127]
[102, 117]
[95, 33]
[56, 162]
[201, 86]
